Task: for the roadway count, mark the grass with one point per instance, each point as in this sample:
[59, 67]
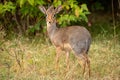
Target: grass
[24, 59]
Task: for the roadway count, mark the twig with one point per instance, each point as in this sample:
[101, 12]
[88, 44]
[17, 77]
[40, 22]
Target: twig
[119, 3]
[113, 17]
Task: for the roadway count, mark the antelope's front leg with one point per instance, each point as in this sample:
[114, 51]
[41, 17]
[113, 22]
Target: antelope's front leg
[67, 60]
[58, 54]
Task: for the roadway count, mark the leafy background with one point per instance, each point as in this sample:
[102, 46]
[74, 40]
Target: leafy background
[27, 18]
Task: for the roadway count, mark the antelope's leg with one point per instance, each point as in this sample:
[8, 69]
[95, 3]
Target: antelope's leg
[58, 54]
[85, 62]
[88, 65]
[82, 61]
[67, 60]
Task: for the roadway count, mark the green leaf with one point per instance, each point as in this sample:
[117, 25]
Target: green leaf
[1, 8]
[84, 7]
[77, 11]
[57, 3]
[22, 2]
[31, 2]
[37, 26]
[86, 13]
[8, 6]
[84, 17]
[40, 2]
[24, 10]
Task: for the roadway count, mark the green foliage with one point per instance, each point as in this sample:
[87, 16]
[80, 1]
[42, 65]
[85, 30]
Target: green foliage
[97, 6]
[7, 7]
[29, 7]
[34, 28]
[31, 2]
[57, 3]
[72, 12]
[28, 14]
[29, 11]
[21, 2]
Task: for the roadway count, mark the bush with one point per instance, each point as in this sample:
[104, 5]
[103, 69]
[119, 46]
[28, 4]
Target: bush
[22, 14]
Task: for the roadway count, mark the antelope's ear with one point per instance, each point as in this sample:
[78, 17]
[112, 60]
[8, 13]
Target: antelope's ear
[42, 8]
[58, 9]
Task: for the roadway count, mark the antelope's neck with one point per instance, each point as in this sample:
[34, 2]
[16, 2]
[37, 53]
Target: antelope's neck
[51, 29]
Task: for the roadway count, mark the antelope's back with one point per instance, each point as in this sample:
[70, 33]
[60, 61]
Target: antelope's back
[75, 37]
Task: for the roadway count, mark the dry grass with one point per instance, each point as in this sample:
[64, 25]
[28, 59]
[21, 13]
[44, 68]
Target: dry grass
[22, 59]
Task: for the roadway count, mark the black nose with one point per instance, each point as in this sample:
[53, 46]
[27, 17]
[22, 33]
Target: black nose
[49, 22]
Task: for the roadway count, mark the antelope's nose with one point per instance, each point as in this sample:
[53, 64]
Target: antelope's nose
[49, 22]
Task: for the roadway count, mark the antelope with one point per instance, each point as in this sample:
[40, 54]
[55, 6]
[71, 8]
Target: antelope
[72, 38]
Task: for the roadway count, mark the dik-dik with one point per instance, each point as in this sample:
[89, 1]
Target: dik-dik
[72, 38]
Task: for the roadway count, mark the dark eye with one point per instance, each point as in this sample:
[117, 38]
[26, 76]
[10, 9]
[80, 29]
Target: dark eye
[55, 15]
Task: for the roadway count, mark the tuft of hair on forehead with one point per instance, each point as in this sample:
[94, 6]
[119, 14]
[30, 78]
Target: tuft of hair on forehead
[51, 8]
[54, 10]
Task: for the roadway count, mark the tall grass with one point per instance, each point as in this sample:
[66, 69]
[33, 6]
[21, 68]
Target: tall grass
[24, 59]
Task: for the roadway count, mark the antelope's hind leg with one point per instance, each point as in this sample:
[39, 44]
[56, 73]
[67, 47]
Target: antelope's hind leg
[84, 62]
